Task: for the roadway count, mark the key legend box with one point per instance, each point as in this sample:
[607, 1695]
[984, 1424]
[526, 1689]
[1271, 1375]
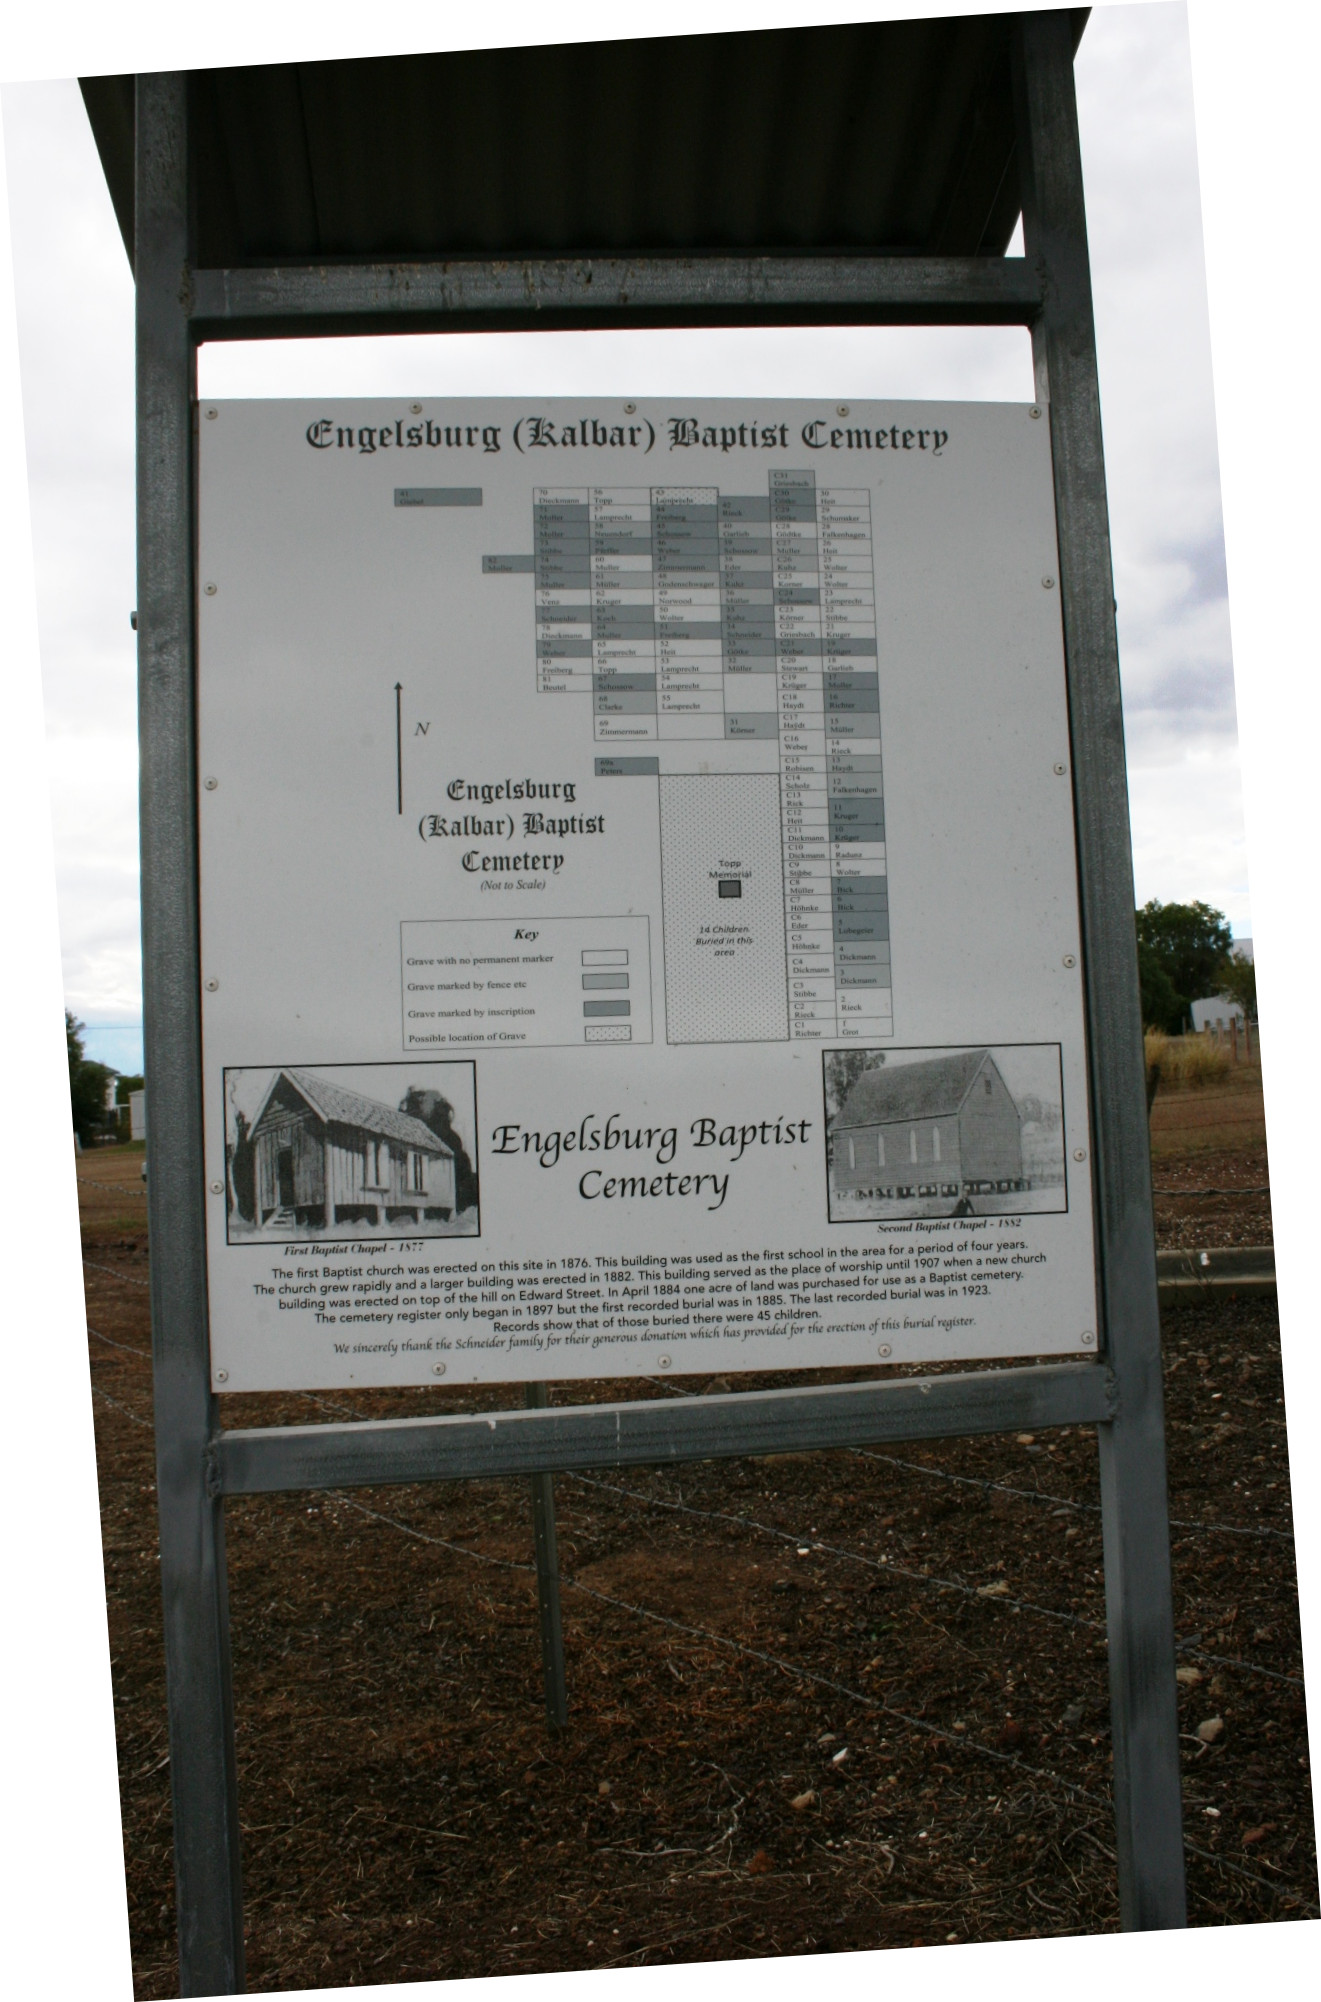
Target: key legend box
[498, 983]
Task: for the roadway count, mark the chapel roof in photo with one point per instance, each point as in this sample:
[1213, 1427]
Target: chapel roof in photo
[930, 1089]
[350, 1108]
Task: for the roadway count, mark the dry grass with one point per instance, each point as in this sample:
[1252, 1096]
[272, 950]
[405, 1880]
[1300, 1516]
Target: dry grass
[112, 1195]
[1187, 1063]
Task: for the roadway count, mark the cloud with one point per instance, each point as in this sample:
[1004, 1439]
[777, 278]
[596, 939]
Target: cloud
[1158, 414]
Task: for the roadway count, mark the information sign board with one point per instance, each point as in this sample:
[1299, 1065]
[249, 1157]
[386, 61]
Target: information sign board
[638, 891]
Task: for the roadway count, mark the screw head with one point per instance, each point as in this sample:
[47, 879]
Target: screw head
[1034, 411]
[664, 1362]
[1060, 770]
[630, 409]
[211, 986]
[416, 409]
[1048, 583]
[210, 590]
[211, 784]
[217, 1188]
[841, 409]
[1080, 1153]
[884, 1349]
[212, 411]
[1069, 959]
[1087, 1338]
[222, 1376]
[438, 1369]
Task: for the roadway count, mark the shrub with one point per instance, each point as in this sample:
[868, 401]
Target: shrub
[1186, 1062]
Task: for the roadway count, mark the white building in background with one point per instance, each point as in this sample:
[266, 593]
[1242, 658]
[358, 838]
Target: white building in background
[1216, 1013]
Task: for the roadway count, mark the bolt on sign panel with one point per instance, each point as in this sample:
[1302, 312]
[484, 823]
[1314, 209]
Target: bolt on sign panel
[639, 910]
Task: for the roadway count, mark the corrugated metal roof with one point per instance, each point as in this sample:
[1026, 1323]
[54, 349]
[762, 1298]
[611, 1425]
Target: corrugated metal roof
[890, 136]
[351, 1108]
[929, 1090]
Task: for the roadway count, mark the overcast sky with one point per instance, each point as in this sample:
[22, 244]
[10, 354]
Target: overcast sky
[75, 306]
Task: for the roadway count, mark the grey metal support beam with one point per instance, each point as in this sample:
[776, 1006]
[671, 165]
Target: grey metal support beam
[251, 304]
[1132, 1447]
[548, 1581]
[662, 1431]
[192, 1543]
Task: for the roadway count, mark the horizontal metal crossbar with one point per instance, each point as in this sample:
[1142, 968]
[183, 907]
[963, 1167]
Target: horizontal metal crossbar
[247, 303]
[650, 1432]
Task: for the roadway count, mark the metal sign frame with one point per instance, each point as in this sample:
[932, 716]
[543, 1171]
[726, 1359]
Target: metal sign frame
[199, 1464]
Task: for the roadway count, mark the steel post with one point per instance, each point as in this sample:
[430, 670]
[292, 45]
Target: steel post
[192, 1538]
[548, 1580]
[1135, 1514]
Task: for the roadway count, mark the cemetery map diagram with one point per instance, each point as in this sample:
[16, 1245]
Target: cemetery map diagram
[726, 645]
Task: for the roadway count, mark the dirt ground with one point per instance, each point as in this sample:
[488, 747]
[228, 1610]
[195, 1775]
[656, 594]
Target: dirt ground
[818, 1703]
[1209, 1169]
[1227, 1116]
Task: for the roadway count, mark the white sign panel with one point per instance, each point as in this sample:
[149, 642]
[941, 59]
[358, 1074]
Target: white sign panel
[639, 916]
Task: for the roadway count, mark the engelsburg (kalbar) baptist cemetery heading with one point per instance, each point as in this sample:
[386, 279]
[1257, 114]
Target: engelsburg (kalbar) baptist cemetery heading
[591, 434]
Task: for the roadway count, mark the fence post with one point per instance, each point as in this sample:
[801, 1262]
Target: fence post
[548, 1581]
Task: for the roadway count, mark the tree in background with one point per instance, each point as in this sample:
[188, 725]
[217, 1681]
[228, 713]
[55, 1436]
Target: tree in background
[843, 1069]
[1182, 950]
[1238, 982]
[435, 1111]
[87, 1083]
[1162, 1008]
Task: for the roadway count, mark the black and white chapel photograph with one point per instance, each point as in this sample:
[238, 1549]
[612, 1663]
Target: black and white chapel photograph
[351, 1150]
[930, 1133]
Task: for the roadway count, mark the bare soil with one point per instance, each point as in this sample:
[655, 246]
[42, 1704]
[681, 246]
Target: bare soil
[1209, 1168]
[819, 1702]
[1216, 1118]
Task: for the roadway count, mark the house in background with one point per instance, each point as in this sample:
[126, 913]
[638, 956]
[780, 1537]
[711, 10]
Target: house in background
[945, 1126]
[318, 1154]
[1216, 1012]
